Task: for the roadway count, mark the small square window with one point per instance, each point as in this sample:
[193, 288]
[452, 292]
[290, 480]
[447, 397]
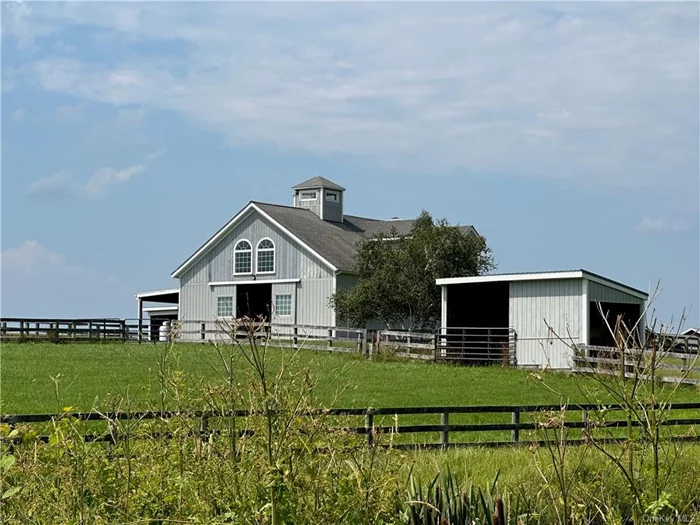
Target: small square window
[224, 306]
[308, 196]
[332, 196]
[283, 304]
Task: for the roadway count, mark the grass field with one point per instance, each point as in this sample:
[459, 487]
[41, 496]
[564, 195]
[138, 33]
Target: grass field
[92, 373]
[176, 478]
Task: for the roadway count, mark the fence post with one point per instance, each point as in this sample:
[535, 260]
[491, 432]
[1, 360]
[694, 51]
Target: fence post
[369, 427]
[295, 339]
[444, 434]
[3, 330]
[330, 338]
[202, 328]
[359, 343]
[203, 427]
[584, 419]
[515, 420]
[54, 327]
[622, 365]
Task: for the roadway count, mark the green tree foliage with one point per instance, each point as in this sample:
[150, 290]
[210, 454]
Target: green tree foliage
[397, 273]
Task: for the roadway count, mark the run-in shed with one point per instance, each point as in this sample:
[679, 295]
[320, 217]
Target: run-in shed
[539, 309]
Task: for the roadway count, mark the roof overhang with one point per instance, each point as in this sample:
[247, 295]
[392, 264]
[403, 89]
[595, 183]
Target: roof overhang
[544, 276]
[230, 225]
[169, 295]
[151, 309]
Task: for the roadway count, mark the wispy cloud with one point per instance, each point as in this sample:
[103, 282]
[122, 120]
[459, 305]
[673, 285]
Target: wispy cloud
[66, 183]
[660, 225]
[101, 181]
[578, 90]
[36, 281]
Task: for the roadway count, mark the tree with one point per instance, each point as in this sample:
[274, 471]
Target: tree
[397, 273]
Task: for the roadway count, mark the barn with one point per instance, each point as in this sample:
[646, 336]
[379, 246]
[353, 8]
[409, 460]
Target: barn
[531, 313]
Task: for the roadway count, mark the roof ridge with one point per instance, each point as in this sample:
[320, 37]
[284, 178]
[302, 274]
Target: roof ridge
[284, 206]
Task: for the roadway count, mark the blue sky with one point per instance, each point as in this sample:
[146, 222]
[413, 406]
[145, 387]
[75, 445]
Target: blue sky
[566, 133]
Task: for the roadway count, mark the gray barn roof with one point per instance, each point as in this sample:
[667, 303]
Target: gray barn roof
[318, 182]
[334, 241]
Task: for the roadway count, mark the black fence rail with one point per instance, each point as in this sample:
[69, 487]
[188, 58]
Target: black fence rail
[587, 421]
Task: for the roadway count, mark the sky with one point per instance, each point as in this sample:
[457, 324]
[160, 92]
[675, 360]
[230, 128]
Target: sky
[566, 133]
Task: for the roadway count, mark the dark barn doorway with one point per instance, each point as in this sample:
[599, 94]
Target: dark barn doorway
[477, 321]
[599, 333]
[254, 300]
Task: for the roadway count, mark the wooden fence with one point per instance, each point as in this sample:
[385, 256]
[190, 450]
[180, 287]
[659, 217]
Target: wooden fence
[586, 422]
[671, 367]
[63, 329]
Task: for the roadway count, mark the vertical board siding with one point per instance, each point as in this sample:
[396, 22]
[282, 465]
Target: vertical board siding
[312, 302]
[198, 299]
[333, 211]
[291, 261]
[284, 289]
[605, 294]
[345, 281]
[535, 304]
[313, 206]
[195, 307]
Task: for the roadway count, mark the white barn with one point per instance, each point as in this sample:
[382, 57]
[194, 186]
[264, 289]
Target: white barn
[539, 309]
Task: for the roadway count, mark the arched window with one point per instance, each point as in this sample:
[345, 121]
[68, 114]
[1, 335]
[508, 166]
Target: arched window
[266, 256]
[243, 258]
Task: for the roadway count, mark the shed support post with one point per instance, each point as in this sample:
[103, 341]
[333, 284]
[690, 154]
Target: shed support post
[140, 319]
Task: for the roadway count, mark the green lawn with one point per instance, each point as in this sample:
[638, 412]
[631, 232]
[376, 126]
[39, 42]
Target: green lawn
[90, 373]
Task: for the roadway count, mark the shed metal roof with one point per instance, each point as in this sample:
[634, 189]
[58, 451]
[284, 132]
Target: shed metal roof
[542, 276]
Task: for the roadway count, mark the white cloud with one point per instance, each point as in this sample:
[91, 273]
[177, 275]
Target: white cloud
[19, 115]
[30, 258]
[602, 92]
[57, 183]
[100, 182]
[38, 282]
[659, 225]
[66, 183]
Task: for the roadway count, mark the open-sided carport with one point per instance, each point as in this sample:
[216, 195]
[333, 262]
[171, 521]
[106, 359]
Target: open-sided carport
[539, 316]
[166, 309]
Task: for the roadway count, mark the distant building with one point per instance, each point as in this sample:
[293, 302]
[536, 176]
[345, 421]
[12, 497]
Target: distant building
[288, 260]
